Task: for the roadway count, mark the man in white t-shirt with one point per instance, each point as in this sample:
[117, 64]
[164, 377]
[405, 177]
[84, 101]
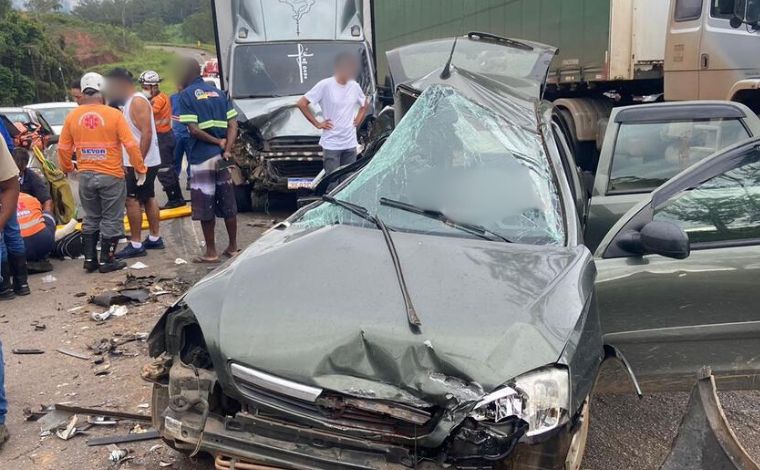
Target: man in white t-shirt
[343, 107]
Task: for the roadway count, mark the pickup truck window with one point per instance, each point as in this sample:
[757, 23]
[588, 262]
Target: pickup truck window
[647, 155]
[688, 10]
[724, 209]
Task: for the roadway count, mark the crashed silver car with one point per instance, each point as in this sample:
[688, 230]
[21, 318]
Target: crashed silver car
[436, 310]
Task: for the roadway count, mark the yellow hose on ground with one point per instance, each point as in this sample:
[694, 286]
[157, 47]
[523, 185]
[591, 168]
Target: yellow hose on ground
[166, 214]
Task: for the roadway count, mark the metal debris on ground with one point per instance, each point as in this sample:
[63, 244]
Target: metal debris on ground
[117, 455]
[75, 354]
[144, 436]
[71, 429]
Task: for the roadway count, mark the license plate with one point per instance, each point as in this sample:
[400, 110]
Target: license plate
[300, 183]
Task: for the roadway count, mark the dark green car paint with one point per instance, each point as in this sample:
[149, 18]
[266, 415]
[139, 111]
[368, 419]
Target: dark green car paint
[606, 205]
[672, 317]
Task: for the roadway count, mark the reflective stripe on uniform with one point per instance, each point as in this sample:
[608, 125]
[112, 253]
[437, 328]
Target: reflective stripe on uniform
[231, 114]
[188, 118]
[213, 124]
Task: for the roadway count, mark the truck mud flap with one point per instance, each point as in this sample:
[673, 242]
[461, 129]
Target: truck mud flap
[705, 440]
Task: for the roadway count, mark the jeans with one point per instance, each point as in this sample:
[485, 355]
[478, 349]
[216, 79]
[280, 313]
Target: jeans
[334, 159]
[103, 199]
[14, 242]
[41, 244]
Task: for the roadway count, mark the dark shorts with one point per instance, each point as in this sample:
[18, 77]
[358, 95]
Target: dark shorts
[211, 191]
[145, 192]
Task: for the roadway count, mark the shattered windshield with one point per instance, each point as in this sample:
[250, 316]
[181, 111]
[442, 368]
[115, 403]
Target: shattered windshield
[290, 69]
[451, 155]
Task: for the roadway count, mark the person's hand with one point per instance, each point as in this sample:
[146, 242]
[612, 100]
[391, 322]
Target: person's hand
[141, 177]
[227, 156]
[325, 125]
[223, 144]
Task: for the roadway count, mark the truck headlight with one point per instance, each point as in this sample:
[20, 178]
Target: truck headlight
[540, 398]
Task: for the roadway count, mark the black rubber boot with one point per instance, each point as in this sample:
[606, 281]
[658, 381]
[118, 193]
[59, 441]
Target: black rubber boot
[6, 286]
[90, 252]
[108, 261]
[174, 197]
[20, 274]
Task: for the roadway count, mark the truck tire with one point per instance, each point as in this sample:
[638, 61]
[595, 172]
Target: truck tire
[243, 198]
[259, 201]
[586, 155]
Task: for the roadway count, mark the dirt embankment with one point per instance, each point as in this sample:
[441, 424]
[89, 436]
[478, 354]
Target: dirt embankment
[86, 49]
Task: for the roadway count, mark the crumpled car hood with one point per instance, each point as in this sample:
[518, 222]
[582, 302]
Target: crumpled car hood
[277, 117]
[323, 308]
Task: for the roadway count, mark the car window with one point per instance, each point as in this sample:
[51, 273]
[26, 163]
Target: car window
[647, 155]
[722, 9]
[725, 208]
[687, 10]
[452, 155]
[55, 116]
[18, 116]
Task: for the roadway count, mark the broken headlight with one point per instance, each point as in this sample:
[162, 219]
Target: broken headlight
[540, 398]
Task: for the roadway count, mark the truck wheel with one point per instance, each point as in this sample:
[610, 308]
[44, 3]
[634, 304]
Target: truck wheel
[243, 198]
[585, 152]
[259, 201]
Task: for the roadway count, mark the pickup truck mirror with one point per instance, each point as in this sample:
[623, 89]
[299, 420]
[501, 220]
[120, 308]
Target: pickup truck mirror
[657, 238]
[746, 12]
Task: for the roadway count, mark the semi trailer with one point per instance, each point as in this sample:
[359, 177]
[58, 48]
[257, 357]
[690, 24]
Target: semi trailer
[611, 52]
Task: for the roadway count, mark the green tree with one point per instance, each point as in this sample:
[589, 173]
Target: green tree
[43, 6]
[152, 29]
[199, 26]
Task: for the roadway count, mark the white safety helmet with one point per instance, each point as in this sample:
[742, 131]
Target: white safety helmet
[92, 81]
[149, 77]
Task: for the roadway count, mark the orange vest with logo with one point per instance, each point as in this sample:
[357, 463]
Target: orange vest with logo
[29, 213]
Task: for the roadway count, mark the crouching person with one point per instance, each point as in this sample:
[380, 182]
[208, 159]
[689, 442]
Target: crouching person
[97, 133]
[37, 228]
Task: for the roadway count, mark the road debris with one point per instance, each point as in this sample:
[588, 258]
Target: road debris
[139, 265]
[180, 261]
[49, 279]
[75, 354]
[117, 455]
[71, 429]
[123, 439]
[38, 326]
[114, 311]
[26, 352]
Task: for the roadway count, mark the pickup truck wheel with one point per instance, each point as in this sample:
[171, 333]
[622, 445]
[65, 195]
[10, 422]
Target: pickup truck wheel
[259, 201]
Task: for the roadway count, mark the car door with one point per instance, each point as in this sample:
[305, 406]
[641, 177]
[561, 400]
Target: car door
[670, 317]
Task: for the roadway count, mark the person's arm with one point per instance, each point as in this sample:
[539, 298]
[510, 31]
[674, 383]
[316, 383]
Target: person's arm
[232, 130]
[66, 148]
[133, 150]
[9, 190]
[189, 117]
[142, 115]
[313, 96]
[159, 103]
[363, 103]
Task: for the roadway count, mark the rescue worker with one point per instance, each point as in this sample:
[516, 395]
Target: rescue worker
[8, 198]
[37, 228]
[139, 116]
[98, 133]
[210, 119]
[162, 114]
[181, 136]
[32, 183]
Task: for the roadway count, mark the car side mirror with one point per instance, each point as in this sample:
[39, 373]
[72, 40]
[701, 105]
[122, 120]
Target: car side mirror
[657, 238]
[746, 12]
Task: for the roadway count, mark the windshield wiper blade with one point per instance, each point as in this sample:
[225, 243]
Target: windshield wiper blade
[359, 211]
[472, 229]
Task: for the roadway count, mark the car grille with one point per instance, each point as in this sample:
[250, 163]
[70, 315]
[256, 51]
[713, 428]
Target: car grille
[334, 411]
[302, 146]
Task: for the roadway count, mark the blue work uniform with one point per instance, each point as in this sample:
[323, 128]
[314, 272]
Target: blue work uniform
[204, 104]
[181, 134]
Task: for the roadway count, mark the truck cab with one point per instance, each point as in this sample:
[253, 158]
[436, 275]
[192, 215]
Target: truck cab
[269, 57]
[709, 55]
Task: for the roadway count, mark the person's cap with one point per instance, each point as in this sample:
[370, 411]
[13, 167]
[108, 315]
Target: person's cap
[149, 77]
[120, 73]
[92, 81]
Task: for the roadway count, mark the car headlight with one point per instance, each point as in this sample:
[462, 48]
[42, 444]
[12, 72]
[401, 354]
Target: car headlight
[540, 398]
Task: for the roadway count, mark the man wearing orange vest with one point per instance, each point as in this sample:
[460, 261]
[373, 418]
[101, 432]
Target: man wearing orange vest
[162, 114]
[98, 132]
[37, 228]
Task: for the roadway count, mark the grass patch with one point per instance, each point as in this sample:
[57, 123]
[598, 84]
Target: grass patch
[147, 59]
